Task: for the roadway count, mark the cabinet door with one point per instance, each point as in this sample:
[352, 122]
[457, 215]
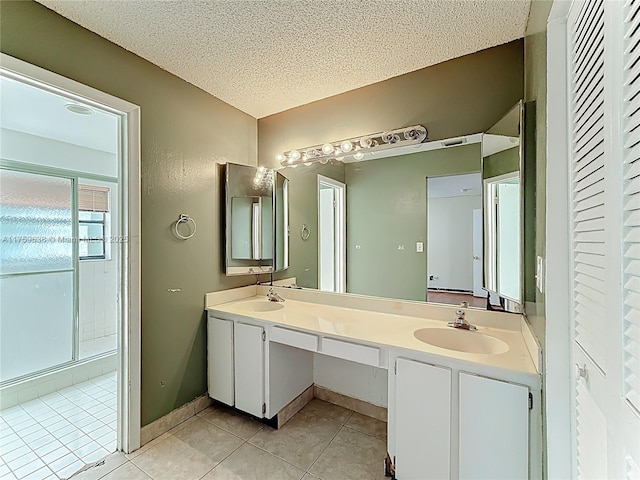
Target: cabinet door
[249, 368]
[423, 421]
[220, 359]
[494, 429]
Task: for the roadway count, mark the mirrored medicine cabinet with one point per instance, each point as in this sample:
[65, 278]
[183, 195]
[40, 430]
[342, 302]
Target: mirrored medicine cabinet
[256, 220]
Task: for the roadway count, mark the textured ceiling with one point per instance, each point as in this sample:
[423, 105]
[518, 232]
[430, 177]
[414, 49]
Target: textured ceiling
[266, 56]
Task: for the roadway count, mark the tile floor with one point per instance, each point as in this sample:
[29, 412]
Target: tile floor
[54, 436]
[322, 442]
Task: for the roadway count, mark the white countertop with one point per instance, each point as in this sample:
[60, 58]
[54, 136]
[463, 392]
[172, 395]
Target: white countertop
[383, 328]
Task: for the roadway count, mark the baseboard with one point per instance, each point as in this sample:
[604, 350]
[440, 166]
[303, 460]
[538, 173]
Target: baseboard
[360, 406]
[294, 406]
[188, 410]
[173, 418]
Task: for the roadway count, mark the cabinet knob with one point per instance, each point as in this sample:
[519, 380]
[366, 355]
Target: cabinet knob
[581, 371]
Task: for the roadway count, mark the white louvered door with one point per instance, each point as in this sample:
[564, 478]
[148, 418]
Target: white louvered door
[604, 115]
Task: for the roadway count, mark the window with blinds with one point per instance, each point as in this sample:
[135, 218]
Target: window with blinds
[93, 206]
[587, 176]
[92, 198]
[631, 203]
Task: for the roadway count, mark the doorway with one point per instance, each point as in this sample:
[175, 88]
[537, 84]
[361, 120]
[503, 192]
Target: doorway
[331, 235]
[454, 239]
[69, 274]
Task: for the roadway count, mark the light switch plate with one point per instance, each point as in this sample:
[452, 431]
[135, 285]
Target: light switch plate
[419, 247]
[540, 274]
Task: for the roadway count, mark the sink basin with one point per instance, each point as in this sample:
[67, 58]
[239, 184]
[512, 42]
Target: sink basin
[461, 340]
[260, 306]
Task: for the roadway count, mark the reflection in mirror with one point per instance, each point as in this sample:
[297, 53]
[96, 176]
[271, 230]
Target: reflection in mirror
[256, 220]
[502, 173]
[454, 239]
[281, 222]
[386, 219]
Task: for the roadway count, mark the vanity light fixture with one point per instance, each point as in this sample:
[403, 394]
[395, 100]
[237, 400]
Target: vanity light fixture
[356, 148]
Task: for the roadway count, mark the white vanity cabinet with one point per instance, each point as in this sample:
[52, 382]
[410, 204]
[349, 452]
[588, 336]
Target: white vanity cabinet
[422, 426]
[248, 347]
[449, 424]
[493, 429]
[236, 364]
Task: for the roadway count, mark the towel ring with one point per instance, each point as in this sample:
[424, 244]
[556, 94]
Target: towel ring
[304, 233]
[184, 218]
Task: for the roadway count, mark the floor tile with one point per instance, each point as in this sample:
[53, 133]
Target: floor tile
[62, 463]
[22, 460]
[351, 455]
[95, 456]
[48, 448]
[309, 476]
[15, 453]
[327, 410]
[189, 453]
[231, 420]
[368, 425]
[70, 469]
[55, 455]
[39, 474]
[128, 471]
[300, 441]
[28, 468]
[251, 463]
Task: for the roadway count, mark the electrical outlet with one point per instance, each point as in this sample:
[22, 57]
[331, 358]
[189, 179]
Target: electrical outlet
[419, 247]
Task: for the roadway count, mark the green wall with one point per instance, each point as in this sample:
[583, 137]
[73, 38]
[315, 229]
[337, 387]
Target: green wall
[459, 97]
[536, 90]
[184, 131]
[387, 207]
[506, 161]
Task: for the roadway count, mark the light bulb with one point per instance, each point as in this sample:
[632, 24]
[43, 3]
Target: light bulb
[346, 146]
[358, 155]
[327, 148]
[294, 155]
[340, 159]
[366, 142]
[280, 158]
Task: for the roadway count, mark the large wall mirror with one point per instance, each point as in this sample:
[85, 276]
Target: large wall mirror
[414, 223]
[256, 220]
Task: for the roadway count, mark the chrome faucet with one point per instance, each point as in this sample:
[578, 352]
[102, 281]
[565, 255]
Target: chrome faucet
[273, 296]
[460, 321]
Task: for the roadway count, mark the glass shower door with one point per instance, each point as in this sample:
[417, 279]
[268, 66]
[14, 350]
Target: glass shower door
[37, 272]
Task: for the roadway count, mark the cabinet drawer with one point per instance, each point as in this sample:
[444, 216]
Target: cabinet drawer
[351, 351]
[305, 341]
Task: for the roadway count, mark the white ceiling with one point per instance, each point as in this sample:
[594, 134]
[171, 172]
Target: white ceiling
[264, 57]
[35, 111]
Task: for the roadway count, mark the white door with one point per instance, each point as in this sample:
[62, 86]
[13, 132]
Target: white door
[331, 235]
[220, 360]
[493, 429]
[478, 291]
[422, 421]
[248, 343]
[604, 93]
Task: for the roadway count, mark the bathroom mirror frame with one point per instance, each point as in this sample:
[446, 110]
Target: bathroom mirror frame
[491, 221]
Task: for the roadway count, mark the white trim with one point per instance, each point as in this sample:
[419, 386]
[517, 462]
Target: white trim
[129, 337]
[559, 441]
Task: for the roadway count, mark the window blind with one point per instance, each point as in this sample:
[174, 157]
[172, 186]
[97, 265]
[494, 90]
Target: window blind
[631, 203]
[587, 177]
[92, 198]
